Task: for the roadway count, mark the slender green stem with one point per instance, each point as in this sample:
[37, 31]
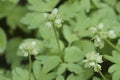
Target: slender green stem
[112, 45]
[102, 75]
[57, 39]
[30, 67]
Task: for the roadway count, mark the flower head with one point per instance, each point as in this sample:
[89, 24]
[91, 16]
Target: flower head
[53, 19]
[28, 48]
[100, 34]
[92, 60]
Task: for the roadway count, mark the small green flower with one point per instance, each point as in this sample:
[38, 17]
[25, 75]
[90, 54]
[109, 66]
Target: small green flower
[92, 60]
[100, 34]
[58, 23]
[53, 19]
[28, 48]
[48, 24]
[111, 34]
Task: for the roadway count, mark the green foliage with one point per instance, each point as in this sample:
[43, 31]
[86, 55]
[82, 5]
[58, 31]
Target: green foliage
[11, 51]
[3, 41]
[42, 6]
[5, 9]
[61, 57]
[118, 7]
[13, 19]
[43, 69]
[111, 2]
[3, 75]
[33, 19]
[69, 6]
[73, 54]
[19, 74]
[115, 68]
[69, 36]
[95, 78]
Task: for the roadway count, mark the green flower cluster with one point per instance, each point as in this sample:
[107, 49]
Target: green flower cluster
[28, 48]
[92, 60]
[53, 19]
[100, 34]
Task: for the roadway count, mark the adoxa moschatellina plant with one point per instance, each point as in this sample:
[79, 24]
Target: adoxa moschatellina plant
[30, 46]
[54, 20]
[100, 36]
[93, 59]
[27, 48]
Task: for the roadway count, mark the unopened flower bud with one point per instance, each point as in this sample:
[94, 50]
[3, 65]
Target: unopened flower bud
[58, 23]
[111, 34]
[55, 11]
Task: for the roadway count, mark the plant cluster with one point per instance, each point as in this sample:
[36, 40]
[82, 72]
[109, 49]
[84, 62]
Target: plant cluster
[59, 40]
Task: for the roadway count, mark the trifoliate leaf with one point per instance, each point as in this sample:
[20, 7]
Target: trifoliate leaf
[20, 74]
[41, 75]
[75, 68]
[11, 51]
[117, 6]
[3, 41]
[44, 67]
[72, 54]
[60, 77]
[33, 20]
[42, 5]
[69, 36]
